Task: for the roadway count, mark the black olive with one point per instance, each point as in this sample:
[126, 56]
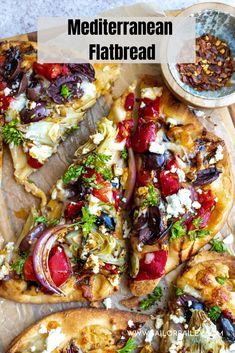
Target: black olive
[32, 115]
[206, 176]
[34, 91]
[76, 191]
[31, 237]
[153, 161]
[85, 70]
[70, 81]
[106, 220]
[227, 328]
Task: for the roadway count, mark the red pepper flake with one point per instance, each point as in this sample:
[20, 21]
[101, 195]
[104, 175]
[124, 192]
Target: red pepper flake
[214, 65]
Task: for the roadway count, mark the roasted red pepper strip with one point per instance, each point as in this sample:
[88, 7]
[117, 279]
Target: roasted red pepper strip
[169, 183]
[129, 102]
[149, 109]
[152, 266]
[5, 101]
[49, 71]
[59, 266]
[34, 163]
[73, 209]
[144, 134]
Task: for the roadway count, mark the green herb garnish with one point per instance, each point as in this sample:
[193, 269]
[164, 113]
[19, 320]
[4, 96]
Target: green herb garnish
[178, 290]
[218, 246]
[129, 347]
[152, 197]
[197, 233]
[11, 134]
[97, 161]
[151, 299]
[41, 219]
[18, 266]
[65, 91]
[124, 154]
[87, 221]
[221, 280]
[177, 230]
[214, 313]
[73, 172]
[90, 182]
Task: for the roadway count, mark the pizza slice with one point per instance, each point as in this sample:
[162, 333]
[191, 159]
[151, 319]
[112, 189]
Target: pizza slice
[75, 250]
[184, 187]
[201, 315]
[82, 330]
[42, 103]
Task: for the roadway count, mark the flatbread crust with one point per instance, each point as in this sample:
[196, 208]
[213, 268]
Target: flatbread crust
[181, 250]
[73, 324]
[105, 77]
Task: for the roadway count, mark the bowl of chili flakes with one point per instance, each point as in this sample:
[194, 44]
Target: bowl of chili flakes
[210, 81]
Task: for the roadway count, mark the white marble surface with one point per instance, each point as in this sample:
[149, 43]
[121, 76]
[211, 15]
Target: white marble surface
[20, 16]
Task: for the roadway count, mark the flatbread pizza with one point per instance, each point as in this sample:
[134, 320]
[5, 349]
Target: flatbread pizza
[82, 330]
[75, 250]
[201, 314]
[184, 188]
[41, 103]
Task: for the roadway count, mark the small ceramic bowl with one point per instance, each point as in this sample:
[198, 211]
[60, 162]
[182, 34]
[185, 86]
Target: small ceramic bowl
[219, 20]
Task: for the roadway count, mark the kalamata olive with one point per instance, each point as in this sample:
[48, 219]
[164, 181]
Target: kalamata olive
[153, 161]
[34, 91]
[32, 236]
[76, 191]
[151, 226]
[73, 348]
[85, 70]
[32, 115]
[12, 69]
[206, 176]
[70, 81]
[19, 85]
[226, 326]
[184, 299]
[106, 220]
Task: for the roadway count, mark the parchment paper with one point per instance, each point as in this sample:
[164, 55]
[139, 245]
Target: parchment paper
[15, 202]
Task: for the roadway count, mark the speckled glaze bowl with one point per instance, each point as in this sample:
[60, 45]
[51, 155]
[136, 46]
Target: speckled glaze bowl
[219, 20]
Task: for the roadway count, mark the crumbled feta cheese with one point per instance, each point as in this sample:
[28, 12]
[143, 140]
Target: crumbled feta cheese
[172, 121]
[151, 92]
[177, 203]
[196, 205]
[155, 180]
[190, 303]
[149, 257]
[177, 319]
[4, 270]
[149, 336]
[159, 322]
[181, 175]
[130, 323]
[93, 262]
[107, 303]
[228, 240]
[126, 230]
[97, 138]
[42, 329]
[94, 205]
[5, 258]
[216, 199]
[114, 280]
[156, 147]
[140, 247]
[19, 102]
[199, 191]
[7, 91]
[33, 349]
[124, 199]
[54, 340]
[89, 90]
[219, 153]
[142, 105]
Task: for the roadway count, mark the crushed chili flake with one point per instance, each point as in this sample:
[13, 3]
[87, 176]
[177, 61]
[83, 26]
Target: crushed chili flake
[214, 65]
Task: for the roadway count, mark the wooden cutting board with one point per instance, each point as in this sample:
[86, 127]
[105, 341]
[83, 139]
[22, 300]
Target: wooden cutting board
[228, 113]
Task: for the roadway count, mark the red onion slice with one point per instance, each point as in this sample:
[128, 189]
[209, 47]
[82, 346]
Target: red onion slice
[40, 258]
[130, 185]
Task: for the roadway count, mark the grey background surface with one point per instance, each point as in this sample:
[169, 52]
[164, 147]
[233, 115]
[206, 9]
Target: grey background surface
[20, 16]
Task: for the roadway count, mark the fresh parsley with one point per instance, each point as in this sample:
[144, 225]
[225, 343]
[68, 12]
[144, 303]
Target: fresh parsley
[218, 246]
[87, 221]
[178, 290]
[65, 91]
[124, 154]
[11, 134]
[197, 233]
[18, 266]
[178, 230]
[73, 172]
[152, 197]
[41, 219]
[214, 312]
[97, 161]
[151, 299]
[129, 347]
[221, 280]
[90, 182]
